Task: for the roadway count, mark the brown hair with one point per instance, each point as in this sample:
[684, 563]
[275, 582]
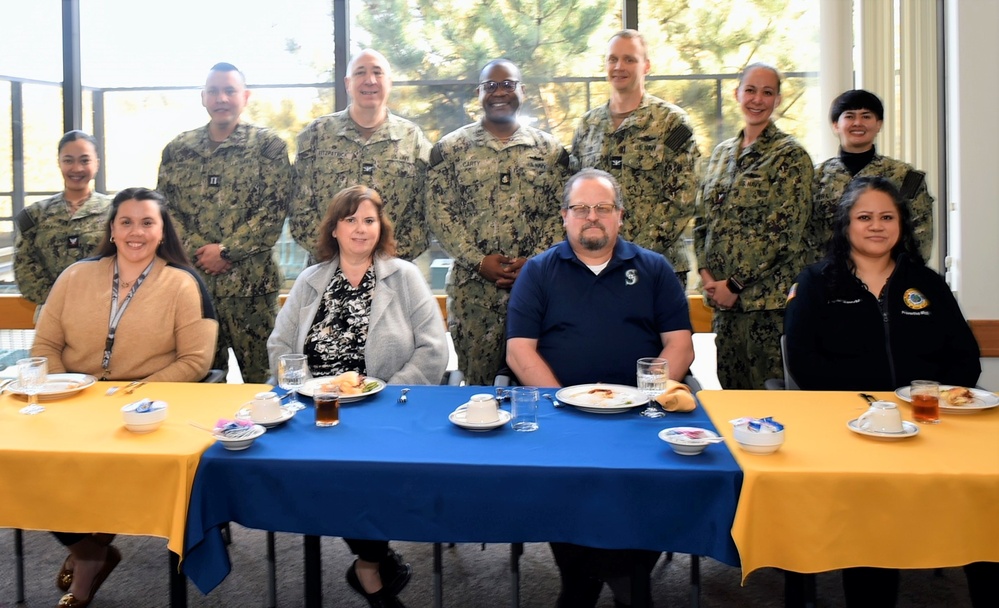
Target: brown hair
[345, 204]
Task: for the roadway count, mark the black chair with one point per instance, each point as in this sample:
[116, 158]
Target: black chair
[787, 382]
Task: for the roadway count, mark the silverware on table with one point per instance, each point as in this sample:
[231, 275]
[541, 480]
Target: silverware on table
[402, 396]
[869, 398]
[552, 399]
[131, 386]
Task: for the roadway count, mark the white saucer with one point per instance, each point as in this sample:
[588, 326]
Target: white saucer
[909, 429]
[286, 415]
[458, 418]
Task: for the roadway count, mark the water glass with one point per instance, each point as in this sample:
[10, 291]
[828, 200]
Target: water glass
[524, 408]
[653, 376]
[31, 375]
[293, 370]
[925, 395]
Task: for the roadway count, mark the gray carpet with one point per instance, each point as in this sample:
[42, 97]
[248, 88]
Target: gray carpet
[473, 578]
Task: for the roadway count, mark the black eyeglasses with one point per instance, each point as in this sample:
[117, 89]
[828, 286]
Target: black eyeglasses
[489, 86]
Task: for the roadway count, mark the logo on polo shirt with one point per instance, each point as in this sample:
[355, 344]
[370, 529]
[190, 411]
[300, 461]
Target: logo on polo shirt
[630, 277]
[914, 299]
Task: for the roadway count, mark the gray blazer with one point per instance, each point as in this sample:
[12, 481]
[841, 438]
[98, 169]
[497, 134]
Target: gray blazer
[406, 338]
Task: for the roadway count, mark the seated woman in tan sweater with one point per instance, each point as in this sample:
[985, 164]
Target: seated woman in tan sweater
[137, 311]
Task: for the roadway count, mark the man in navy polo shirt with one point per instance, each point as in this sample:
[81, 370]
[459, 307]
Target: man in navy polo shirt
[585, 311]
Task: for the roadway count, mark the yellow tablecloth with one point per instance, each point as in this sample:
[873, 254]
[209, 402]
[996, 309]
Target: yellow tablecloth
[831, 498]
[75, 468]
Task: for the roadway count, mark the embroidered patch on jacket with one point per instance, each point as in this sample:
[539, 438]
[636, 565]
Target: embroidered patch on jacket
[630, 276]
[914, 299]
[792, 292]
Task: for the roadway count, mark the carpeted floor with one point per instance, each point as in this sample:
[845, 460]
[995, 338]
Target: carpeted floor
[473, 578]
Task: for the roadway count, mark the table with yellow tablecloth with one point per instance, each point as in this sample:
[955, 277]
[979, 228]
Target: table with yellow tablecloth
[75, 468]
[831, 498]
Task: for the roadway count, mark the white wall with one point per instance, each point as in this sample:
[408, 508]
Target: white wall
[973, 161]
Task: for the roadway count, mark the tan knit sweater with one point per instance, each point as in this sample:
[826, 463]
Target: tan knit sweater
[167, 333]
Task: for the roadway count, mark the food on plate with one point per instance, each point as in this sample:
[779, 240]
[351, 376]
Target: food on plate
[600, 396]
[349, 383]
[604, 393]
[957, 395]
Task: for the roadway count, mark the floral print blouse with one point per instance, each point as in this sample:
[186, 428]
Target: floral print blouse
[335, 343]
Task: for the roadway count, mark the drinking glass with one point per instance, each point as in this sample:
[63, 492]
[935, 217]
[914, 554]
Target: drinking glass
[292, 372]
[327, 403]
[31, 375]
[524, 408]
[925, 395]
[653, 374]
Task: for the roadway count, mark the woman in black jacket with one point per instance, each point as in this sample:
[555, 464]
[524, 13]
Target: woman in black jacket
[871, 316]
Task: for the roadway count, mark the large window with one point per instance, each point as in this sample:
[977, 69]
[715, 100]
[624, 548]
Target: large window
[141, 85]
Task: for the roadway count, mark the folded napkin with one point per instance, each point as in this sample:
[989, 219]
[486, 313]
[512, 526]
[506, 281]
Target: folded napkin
[677, 398]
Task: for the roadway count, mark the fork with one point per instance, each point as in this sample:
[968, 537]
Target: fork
[131, 386]
[402, 396]
[552, 399]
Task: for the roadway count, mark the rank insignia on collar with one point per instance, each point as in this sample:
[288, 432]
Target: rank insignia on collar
[914, 299]
[505, 178]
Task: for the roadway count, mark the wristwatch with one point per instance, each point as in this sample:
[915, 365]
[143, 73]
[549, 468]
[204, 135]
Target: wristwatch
[734, 285]
[224, 253]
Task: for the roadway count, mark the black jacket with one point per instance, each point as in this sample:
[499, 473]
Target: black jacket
[845, 341]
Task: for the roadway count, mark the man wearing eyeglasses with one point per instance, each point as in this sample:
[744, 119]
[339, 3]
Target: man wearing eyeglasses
[492, 201]
[363, 144]
[584, 311]
[648, 145]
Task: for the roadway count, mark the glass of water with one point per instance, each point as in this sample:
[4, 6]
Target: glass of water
[293, 370]
[653, 374]
[31, 375]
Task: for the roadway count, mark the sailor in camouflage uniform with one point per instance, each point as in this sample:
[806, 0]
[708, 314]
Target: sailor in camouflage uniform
[368, 145]
[493, 200]
[62, 229]
[751, 216]
[648, 145]
[227, 185]
[857, 117]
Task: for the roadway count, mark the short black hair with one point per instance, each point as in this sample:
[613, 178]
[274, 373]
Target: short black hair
[856, 99]
[222, 66]
[75, 135]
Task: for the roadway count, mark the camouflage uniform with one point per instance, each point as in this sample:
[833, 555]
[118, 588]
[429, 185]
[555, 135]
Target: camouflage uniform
[751, 216]
[831, 180]
[236, 196]
[333, 155]
[653, 155]
[486, 197]
[49, 239]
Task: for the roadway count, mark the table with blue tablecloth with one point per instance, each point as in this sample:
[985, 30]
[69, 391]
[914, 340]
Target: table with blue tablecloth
[396, 471]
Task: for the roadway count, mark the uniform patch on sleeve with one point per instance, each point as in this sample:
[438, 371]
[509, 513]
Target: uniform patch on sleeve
[910, 184]
[436, 157]
[274, 149]
[792, 292]
[677, 137]
[914, 299]
[24, 221]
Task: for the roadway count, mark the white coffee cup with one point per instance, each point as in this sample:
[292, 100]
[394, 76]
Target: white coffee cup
[481, 409]
[265, 407]
[881, 417]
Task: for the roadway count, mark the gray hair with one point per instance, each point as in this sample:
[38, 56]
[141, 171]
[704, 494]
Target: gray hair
[593, 174]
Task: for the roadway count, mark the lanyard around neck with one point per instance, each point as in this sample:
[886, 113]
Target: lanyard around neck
[116, 313]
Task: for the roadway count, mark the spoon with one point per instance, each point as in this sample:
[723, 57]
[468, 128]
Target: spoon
[402, 396]
[552, 399]
[869, 398]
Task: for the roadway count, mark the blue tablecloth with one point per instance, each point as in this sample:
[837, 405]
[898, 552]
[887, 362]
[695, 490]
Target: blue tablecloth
[405, 472]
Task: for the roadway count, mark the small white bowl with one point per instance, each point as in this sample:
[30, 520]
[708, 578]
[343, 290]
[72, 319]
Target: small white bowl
[144, 416]
[240, 443]
[683, 444]
[757, 443]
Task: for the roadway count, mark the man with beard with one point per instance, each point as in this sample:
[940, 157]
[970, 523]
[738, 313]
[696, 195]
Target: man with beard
[492, 202]
[585, 311]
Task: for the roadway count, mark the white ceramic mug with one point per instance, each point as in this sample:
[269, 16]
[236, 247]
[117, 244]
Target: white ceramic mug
[481, 408]
[882, 417]
[265, 407]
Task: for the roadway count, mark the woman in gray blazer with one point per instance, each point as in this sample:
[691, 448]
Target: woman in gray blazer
[361, 309]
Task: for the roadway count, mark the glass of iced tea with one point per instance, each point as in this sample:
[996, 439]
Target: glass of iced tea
[327, 402]
[925, 395]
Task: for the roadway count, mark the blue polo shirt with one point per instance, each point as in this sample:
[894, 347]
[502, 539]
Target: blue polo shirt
[593, 328]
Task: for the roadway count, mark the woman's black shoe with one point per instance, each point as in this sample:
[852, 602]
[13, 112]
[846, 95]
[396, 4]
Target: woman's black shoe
[394, 572]
[384, 597]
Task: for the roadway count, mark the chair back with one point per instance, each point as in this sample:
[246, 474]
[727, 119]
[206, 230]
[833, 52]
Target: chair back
[789, 383]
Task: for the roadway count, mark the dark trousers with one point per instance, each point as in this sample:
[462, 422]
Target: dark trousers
[69, 538]
[584, 570]
[368, 550]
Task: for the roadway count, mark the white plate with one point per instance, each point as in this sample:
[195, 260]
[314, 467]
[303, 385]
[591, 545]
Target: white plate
[56, 386]
[309, 388]
[621, 399]
[909, 429]
[286, 415]
[984, 400]
[458, 417]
